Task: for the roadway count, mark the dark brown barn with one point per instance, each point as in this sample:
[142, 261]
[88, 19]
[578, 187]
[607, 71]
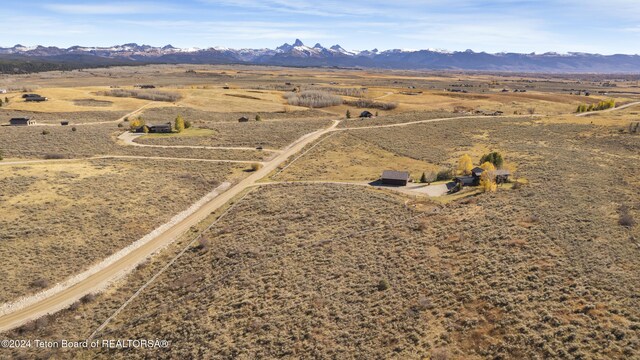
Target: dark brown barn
[23, 121]
[35, 99]
[160, 128]
[395, 178]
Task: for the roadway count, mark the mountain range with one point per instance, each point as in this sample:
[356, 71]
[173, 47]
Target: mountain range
[300, 55]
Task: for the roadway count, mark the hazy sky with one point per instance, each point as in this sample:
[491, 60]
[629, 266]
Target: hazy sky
[606, 27]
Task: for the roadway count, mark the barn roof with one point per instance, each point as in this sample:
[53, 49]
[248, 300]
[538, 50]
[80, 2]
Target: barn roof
[395, 175]
[502, 173]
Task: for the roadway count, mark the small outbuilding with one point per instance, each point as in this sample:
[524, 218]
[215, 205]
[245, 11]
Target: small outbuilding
[23, 121]
[243, 119]
[64, 123]
[35, 99]
[160, 128]
[502, 176]
[395, 178]
[366, 114]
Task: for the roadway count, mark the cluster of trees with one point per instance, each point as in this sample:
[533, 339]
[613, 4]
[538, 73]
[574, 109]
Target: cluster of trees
[494, 158]
[602, 105]
[154, 95]
[179, 124]
[489, 163]
[313, 99]
[6, 101]
[368, 103]
[136, 123]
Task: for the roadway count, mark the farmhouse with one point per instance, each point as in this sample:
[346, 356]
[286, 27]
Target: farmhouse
[243, 119]
[23, 121]
[24, 96]
[501, 176]
[395, 178]
[160, 128]
[366, 114]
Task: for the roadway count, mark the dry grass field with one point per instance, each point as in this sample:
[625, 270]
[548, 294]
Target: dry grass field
[198, 117]
[547, 269]
[344, 157]
[269, 134]
[57, 219]
[73, 99]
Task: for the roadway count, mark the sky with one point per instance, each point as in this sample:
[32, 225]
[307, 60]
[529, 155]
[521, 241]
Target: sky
[524, 26]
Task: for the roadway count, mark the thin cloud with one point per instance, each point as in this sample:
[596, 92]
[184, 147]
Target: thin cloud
[108, 9]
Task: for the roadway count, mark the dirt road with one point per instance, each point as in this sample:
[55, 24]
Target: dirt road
[24, 310]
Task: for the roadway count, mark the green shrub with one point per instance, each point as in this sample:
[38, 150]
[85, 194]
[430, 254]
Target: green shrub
[383, 285]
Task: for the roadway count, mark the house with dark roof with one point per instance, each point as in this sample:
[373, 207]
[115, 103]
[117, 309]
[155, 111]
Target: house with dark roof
[160, 128]
[35, 99]
[501, 176]
[243, 119]
[366, 114]
[21, 121]
[395, 178]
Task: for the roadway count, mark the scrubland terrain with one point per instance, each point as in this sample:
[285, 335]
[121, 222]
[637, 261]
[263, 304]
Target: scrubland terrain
[96, 140]
[545, 269]
[270, 134]
[56, 219]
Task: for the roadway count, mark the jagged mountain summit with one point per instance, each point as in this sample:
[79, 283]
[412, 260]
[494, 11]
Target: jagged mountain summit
[299, 54]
